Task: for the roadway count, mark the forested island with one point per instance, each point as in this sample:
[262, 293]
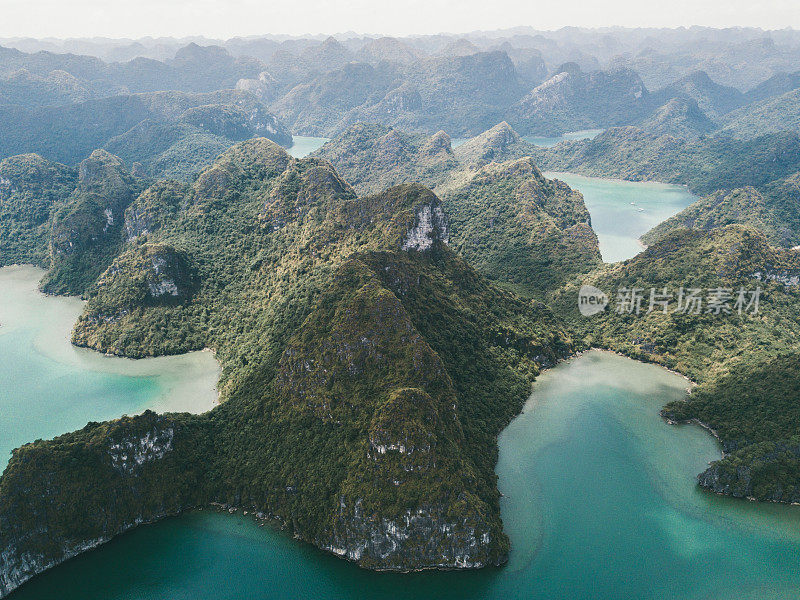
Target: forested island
[381, 307]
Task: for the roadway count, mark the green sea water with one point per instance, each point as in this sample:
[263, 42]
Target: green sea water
[549, 142]
[48, 387]
[303, 145]
[623, 211]
[600, 502]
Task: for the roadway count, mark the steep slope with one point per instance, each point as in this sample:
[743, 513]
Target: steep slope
[373, 157]
[777, 85]
[68, 134]
[500, 142]
[31, 190]
[516, 227]
[28, 89]
[712, 98]
[774, 209]
[519, 228]
[366, 373]
[86, 229]
[462, 95]
[679, 118]
[705, 165]
[329, 55]
[572, 100]
[192, 68]
[169, 150]
[781, 113]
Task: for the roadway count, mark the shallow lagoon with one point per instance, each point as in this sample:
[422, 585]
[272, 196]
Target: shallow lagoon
[549, 142]
[49, 387]
[303, 145]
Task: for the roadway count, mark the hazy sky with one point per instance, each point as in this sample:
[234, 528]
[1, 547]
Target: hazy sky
[227, 18]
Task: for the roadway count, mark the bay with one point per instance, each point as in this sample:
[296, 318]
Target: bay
[623, 211]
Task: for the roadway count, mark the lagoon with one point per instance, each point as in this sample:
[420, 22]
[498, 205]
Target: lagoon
[49, 387]
[549, 142]
[303, 145]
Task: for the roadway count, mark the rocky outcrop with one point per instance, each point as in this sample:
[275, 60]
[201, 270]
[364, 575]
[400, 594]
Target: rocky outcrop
[424, 538]
[750, 473]
[430, 225]
[87, 230]
[142, 462]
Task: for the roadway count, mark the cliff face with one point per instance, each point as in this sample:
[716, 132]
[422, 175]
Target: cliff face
[366, 372]
[766, 471]
[121, 474]
[86, 230]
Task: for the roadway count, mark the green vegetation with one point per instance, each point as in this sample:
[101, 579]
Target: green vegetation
[774, 210]
[698, 345]
[772, 115]
[745, 363]
[705, 165]
[572, 100]
[68, 134]
[170, 150]
[754, 411]
[373, 157]
[347, 361]
[87, 229]
[460, 94]
[516, 227]
[679, 118]
[31, 190]
[519, 228]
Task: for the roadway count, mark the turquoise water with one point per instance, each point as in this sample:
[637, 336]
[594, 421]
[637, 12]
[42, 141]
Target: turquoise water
[623, 211]
[48, 387]
[549, 142]
[599, 501]
[303, 145]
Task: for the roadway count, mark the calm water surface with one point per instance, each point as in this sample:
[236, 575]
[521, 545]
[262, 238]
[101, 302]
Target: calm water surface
[623, 211]
[549, 142]
[599, 501]
[303, 145]
[49, 387]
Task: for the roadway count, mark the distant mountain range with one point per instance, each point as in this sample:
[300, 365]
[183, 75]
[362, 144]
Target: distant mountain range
[542, 84]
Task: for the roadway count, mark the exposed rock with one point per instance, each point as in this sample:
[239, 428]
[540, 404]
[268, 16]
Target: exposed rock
[430, 225]
[424, 538]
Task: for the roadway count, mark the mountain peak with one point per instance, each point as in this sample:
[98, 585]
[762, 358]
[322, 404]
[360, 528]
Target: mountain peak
[437, 143]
